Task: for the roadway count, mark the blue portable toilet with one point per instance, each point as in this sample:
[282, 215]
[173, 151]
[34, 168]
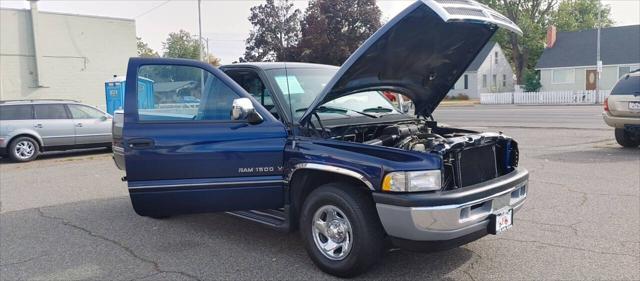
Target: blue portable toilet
[114, 93]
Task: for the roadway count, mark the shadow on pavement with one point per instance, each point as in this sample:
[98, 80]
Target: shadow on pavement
[62, 154]
[210, 246]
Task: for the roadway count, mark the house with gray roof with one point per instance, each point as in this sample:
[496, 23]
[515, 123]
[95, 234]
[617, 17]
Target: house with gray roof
[489, 72]
[568, 62]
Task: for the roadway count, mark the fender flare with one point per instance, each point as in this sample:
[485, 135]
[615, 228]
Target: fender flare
[27, 133]
[332, 169]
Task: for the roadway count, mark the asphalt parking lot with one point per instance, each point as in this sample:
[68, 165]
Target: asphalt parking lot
[67, 216]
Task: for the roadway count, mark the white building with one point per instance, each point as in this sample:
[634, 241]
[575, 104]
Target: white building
[61, 56]
[568, 62]
[489, 72]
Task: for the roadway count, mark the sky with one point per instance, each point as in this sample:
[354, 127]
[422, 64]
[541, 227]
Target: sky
[224, 22]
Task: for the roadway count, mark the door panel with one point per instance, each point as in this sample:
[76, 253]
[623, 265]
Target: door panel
[91, 125]
[53, 124]
[184, 154]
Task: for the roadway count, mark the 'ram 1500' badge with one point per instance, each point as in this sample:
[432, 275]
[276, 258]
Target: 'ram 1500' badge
[260, 169]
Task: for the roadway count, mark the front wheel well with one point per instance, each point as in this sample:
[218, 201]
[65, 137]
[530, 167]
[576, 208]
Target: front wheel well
[303, 182]
[41, 148]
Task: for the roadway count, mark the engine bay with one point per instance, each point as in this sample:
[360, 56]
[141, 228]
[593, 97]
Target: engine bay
[468, 157]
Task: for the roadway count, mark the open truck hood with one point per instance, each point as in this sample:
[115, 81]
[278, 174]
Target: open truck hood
[420, 53]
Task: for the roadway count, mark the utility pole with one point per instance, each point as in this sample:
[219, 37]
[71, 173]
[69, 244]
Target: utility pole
[200, 30]
[598, 60]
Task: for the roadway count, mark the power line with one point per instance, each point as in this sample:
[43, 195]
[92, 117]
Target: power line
[151, 10]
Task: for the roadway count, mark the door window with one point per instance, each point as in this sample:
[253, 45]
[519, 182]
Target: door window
[16, 112]
[251, 82]
[50, 111]
[84, 112]
[182, 93]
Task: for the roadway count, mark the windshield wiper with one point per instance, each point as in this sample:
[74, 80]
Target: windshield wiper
[323, 109]
[378, 109]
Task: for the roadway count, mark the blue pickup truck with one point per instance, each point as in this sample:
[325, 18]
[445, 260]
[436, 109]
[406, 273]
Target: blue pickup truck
[319, 149]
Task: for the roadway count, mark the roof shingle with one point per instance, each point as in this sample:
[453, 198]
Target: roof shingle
[618, 45]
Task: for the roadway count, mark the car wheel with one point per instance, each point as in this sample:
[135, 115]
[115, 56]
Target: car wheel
[23, 149]
[340, 229]
[624, 139]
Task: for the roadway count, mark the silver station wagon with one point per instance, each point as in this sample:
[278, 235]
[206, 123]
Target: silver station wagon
[28, 127]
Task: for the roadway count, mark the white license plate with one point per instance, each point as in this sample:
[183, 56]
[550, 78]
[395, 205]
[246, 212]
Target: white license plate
[501, 221]
[634, 105]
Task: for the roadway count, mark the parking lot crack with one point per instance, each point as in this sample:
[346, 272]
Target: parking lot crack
[22, 261]
[570, 226]
[128, 250]
[568, 247]
[472, 265]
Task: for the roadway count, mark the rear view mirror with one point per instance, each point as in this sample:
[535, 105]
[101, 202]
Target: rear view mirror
[242, 109]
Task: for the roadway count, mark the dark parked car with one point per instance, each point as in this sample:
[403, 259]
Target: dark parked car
[319, 149]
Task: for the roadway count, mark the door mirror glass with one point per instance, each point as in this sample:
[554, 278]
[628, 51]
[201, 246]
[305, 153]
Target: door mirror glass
[242, 109]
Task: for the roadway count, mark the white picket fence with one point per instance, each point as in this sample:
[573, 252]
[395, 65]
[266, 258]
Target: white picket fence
[561, 97]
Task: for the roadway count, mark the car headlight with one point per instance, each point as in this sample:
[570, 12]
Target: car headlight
[412, 181]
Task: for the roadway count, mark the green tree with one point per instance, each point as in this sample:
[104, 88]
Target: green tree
[532, 81]
[532, 16]
[275, 33]
[181, 45]
[572, 15]
[333, 29]
[144, 50]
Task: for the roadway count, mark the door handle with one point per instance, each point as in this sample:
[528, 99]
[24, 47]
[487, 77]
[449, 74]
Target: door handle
[38, 126]
[140, 143]
[79, 125]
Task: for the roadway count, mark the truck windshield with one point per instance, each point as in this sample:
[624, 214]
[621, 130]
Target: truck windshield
[299, 87]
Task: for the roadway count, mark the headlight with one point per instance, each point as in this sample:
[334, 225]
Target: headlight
[412, 181]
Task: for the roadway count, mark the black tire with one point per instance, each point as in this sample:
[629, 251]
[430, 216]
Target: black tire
[367, 244]
[624, 139]
[15, 155]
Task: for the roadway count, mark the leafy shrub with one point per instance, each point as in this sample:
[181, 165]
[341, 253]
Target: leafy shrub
[531, 81]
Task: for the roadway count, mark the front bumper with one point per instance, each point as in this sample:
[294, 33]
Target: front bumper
[619, 122]
[450, 215]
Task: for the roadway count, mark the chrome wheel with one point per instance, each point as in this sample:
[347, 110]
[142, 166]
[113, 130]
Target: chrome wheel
[24, 149]
[332, 232]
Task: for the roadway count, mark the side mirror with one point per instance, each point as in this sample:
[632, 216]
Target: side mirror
[103, 118]
[242, 109]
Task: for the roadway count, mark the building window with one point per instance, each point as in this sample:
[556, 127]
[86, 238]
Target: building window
[495, 80]
[466, 82]
[504, 80]
[495, 57]
[562, 76]
[622, 70]
[484, 80]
